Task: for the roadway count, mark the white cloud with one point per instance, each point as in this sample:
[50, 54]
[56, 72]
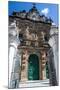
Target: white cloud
[53, 23]
[45, 11]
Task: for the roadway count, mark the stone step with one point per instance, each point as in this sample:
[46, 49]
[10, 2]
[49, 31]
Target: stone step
[38, 83]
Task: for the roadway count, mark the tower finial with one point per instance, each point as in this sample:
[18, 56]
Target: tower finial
[34, 4]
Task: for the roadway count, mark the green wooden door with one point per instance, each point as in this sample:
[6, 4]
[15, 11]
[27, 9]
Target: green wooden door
[47, 71]
[33, 67]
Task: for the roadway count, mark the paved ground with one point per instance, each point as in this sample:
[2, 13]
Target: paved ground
[40, 83]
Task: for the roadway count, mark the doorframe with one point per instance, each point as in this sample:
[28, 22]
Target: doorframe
[37, 54]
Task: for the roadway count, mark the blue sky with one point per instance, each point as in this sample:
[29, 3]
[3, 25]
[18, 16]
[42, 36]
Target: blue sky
[49, 10]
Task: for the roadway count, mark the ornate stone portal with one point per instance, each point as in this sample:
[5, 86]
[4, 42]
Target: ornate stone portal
[32, 34]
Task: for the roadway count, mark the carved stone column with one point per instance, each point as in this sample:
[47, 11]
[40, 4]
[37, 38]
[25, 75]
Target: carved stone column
[53, 41]
[14, 63]
[52, 70]
[43, 65]
[24, 66]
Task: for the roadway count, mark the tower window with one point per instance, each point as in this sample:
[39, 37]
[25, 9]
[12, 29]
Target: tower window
[21, 38]
[46, 38]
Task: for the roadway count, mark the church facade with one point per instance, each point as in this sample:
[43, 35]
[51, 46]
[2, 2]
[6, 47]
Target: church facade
[33, 50]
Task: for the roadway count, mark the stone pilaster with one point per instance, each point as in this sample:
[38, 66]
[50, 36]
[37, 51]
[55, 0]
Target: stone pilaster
[24, 66]
[53, 41]
[14, 64]
[43, 65]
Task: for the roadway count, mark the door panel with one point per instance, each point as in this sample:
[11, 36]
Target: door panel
[33, 67]
[47, 71]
